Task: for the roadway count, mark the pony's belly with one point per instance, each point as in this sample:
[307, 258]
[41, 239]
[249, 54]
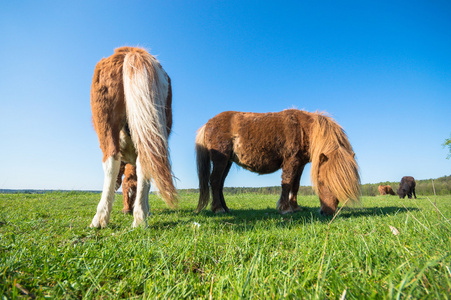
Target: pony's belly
[256, 157]
[260, 164]
[128, 151]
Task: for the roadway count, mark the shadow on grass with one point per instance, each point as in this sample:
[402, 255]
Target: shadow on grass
[249, 217]
[307, 215]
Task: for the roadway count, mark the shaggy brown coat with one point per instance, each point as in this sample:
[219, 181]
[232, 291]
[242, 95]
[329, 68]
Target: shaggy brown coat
[129, 186]
[385, 190]
[266, 142]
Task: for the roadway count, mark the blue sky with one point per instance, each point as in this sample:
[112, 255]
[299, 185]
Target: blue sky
[382, 69]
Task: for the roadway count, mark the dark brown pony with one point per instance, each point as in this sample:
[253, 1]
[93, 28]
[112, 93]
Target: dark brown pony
[385, 190]
[407, 187]
[131, 100]
[264, 143]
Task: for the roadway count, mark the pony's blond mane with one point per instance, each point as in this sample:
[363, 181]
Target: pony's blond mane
[341, 173]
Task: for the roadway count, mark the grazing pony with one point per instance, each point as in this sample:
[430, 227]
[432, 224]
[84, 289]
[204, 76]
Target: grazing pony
[264, 143]
[407, 187]
[385, 190]
[129, 184]
[131, 100]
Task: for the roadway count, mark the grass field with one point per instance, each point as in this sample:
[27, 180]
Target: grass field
[387, 248]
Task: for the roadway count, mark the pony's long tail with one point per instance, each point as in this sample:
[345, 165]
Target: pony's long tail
[146, 88]
[203, 169]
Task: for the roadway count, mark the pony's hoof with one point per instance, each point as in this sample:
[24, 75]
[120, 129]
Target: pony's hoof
[297, 209]
[139, 218]
[96, 225]
[98, 222]
[127, 211]
[95, 222]
[139, 223]
[284, 212]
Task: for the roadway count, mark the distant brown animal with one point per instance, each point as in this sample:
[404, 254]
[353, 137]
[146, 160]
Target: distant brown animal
[131, 100]
[265, 142]
[386, 190]
[407, 187]
[129, 185]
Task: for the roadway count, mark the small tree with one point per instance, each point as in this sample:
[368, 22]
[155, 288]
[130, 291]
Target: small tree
[447, 143]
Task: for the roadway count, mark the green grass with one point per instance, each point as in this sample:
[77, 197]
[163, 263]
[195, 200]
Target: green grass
[47, 249]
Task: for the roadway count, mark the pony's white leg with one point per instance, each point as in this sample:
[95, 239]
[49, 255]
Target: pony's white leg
[111, 169]
[141, 208]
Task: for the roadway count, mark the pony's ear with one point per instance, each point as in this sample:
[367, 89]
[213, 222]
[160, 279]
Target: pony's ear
[323, 158]
[353, 154]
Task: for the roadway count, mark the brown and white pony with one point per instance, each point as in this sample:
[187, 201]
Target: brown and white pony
[129, 184]
[266, 142]
[131, 101]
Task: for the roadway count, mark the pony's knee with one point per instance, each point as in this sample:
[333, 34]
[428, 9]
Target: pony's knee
[111, 168]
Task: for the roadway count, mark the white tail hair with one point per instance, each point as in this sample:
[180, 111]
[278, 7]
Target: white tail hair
[146, 91]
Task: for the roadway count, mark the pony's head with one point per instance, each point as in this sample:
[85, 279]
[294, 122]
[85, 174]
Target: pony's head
[402, 192]
[334, 172]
